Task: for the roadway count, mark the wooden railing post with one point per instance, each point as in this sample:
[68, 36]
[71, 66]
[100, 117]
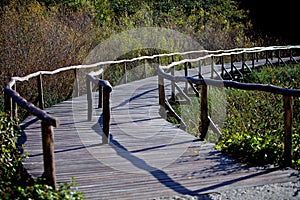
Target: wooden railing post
[267, 57]
[212, 67]
[231, 64]
[40, 90]
[253, 60]
[100, 97]
[278, 56]
[11, 106]
[125, 73]
[256, 54]
[291, 55]
[8, 103]
[199, 69]
[204, 112]
[173, 95]
[243, 62]
[161, 91]
[288, 117]
[89, 99]
[271, 54]
[15, 105]
[222, 67]
[76, 84]
[186, 73]
[106, 114]
[48, 153]
[145, 68]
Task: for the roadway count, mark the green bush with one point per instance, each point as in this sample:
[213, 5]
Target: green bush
[10, 159]
[15, 182]
[254, 127]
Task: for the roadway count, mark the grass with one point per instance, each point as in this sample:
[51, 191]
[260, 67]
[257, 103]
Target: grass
[254, 128]
[252, 123]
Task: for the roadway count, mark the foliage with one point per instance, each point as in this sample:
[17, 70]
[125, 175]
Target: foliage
[15, 182]
[46, 35]
[253, 131]
[190, 112]
[254, 128]
[10, 159]
[34, 37]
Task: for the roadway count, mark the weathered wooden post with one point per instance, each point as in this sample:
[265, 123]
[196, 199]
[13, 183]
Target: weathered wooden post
[15, 105]
[125, 73]
[212, 67]
[231, 64]
[186, 73]
[243, 62]
[253, 60]
[278, 56]
[89, 98]
[100, 98]
[76, 83]
[199, 68]
[173, 95]
[8, 103]
[267, 57]
[271, 54]
[222, 66]
[40, 90]
[106, 113]
[204, 112]
[161, 91]
[288, 117]
[256, 54]
[145, 68]
[291, 55]
[48, 154]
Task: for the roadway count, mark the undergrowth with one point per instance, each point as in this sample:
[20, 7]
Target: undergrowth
[251, 122]
[254, 128]
[15, 181]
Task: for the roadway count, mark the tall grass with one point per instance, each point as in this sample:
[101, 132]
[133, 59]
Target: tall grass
[251, 122]
[254, 128]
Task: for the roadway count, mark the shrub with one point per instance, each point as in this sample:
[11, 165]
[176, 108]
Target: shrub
[15, 182]
[254, 128]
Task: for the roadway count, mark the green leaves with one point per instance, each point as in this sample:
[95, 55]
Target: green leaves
[16, 185]
[9, 159]
[254, 128]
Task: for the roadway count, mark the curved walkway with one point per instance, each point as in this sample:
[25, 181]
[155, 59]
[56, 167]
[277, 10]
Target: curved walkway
[148, 157]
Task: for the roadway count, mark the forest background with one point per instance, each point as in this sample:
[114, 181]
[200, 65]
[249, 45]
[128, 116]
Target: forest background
[46, 35]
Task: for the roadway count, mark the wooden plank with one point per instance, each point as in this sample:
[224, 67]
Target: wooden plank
[148, 157]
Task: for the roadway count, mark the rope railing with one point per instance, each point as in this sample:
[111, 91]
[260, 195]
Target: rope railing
[13, 98]
[206, 121]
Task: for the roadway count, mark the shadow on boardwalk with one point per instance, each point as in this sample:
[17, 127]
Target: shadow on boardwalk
[147, 158]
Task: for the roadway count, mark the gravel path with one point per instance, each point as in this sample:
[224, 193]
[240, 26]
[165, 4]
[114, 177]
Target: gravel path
[276, 191]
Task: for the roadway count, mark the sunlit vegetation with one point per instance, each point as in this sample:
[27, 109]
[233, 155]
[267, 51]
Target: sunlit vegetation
[254, 128]
[15, 182]
[251, 122]
[46, 35]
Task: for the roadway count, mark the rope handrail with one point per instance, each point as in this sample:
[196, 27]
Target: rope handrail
[210, 52]
[232, 84]
[233, 52]
[41, 114]
[12, 96]
[287, 93]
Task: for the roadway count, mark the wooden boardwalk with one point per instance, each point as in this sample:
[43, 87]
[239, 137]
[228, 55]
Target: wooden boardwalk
[148, 157]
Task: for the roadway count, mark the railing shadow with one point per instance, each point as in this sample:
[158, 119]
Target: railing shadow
[176, 186]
